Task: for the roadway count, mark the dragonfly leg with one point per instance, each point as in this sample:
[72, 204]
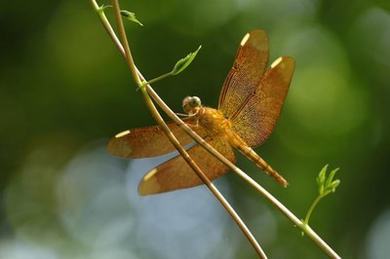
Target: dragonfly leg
[185, 115]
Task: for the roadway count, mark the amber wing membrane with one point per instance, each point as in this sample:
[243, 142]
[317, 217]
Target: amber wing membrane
[255, 122]
[245, 75]
[177, 174]
[149, 141]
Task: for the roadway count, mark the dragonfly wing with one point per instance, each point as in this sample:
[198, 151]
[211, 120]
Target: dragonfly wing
[149, 141]
[245, 75]
[257, 119]
[177, 174]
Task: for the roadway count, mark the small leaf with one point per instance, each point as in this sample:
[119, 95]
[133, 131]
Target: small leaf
[321, 179]
[184, 62]
[322, 175]
[334, 185]
[130, 16]
[331, 176]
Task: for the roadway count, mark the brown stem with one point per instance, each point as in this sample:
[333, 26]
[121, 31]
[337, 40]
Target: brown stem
[125, 43]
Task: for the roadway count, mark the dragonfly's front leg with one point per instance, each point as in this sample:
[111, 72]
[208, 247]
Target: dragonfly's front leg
[193, 125]
[185, 115]
[196, 121]
[192, 121]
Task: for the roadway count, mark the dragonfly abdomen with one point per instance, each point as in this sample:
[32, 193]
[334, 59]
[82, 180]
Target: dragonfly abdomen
[239, 144]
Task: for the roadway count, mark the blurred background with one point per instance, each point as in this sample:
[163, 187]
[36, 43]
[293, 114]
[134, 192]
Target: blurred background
[64, 90]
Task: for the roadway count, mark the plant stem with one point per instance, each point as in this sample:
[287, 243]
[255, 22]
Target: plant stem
[125, 43]
[154, 80]
[312, 206]
[175, 142]
[275, 202]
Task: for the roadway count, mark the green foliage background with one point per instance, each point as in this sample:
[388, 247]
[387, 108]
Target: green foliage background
[64, 90]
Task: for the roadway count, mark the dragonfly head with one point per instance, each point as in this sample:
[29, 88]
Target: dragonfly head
[191, 104]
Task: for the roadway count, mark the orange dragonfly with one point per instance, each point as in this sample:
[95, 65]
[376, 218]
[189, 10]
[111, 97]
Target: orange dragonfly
[249, 105]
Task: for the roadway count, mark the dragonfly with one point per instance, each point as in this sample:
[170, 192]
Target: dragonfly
[249, 105]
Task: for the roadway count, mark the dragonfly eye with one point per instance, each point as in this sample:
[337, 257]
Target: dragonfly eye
[191, 103]
[195, 101]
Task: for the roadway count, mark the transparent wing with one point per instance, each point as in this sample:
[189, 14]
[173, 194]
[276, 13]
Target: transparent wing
[256, 120]
[149, 141]
[245, 75]
[177, 174]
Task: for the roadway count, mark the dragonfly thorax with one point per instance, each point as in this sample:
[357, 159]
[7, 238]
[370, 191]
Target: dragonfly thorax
[191, 104]
[214, 121]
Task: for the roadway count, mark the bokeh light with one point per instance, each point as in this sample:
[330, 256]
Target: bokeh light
[379, 237]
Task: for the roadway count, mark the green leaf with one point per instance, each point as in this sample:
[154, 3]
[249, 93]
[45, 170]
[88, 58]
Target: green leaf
[331, 176]
[321, 176]
[334, 185]
[184, 62]
[321, 179]
[130, 16]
